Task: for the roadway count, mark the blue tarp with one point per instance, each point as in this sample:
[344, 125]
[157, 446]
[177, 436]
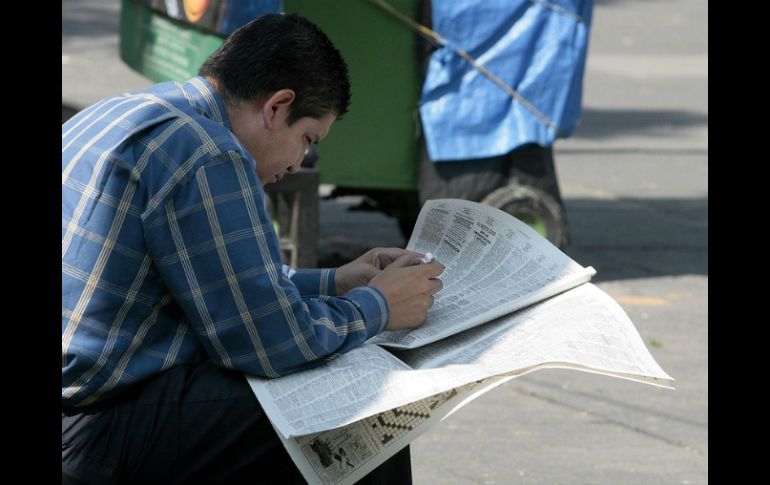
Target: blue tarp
[537, 48]
[239, 13]
[220, 16]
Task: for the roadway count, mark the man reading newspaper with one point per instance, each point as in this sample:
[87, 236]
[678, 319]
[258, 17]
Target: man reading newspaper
[172, 283]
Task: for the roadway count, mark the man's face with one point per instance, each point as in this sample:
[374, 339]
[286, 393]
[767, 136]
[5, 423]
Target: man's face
[281, 148]
[292, 142]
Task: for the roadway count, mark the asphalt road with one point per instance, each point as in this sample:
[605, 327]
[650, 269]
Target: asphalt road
[634, 177]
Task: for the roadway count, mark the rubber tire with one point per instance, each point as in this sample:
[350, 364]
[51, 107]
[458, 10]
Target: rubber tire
[526, 199]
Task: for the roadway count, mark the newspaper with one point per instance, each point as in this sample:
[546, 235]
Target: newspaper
[494, 265]
[345, 455]
[582, 329]
[406, 384]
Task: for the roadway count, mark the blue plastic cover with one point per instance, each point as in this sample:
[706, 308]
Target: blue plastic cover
[239, 13]
[219, 16]
[537, 48]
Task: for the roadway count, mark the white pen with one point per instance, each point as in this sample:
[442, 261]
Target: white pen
[427, 258]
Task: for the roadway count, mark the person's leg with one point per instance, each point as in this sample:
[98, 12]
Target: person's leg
[190, 424]
[397, 470]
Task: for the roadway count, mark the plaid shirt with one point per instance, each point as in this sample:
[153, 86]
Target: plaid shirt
[169, 255]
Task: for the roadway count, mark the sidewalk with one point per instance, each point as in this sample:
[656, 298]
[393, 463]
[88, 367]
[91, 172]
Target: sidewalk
[91, 65]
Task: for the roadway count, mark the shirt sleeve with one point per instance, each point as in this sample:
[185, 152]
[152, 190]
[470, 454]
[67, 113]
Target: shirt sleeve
[312, 282]
[215, 248]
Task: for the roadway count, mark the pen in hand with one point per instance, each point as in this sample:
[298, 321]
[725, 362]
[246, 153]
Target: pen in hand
[427, 258]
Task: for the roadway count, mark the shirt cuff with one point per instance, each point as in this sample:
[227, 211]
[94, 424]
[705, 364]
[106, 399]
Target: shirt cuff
[373, 307]
[313, 281]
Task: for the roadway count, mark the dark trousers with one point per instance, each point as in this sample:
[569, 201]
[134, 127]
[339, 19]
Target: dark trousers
[190, 424]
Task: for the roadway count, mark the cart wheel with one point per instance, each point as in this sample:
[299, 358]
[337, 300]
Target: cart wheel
[534, 207]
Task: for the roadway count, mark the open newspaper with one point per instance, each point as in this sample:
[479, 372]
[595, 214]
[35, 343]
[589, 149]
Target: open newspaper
[511, 303]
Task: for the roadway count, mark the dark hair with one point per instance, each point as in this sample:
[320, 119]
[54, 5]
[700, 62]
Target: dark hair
[278, 51]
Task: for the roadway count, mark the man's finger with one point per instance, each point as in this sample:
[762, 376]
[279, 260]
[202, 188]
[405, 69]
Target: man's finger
[431, 270]
[434, 285]
[386, 256]
[407, 259]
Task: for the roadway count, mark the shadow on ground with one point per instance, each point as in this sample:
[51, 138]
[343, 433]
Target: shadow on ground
[67, 112]
[606, 123]
[639, 238]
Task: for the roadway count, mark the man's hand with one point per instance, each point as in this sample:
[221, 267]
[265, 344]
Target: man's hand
[409, 287]
[361, 270]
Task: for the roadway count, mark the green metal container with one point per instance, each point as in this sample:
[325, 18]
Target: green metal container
[375, 146]
[159, 47]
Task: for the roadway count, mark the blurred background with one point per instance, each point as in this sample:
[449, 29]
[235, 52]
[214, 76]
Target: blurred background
[630, 186]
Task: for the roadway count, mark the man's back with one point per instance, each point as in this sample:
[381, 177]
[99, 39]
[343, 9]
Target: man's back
[121, 161]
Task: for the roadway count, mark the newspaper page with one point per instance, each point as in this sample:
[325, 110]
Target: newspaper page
[356, 385]
[345, 455]
[495, 264]
[581, 329]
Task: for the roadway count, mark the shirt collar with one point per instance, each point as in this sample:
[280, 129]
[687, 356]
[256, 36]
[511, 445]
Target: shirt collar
[201, 94]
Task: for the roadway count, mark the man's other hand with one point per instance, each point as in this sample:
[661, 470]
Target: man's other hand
[361, 270]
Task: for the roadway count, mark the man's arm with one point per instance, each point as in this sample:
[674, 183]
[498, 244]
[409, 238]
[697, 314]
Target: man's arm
[338, 281]
[312, 282]
[406, 279]
[219, 256]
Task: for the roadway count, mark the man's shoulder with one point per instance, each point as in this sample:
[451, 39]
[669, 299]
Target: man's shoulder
[197, 108]
[171, 130]
[166, 112]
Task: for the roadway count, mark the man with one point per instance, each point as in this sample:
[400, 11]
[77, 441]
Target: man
[172, 285]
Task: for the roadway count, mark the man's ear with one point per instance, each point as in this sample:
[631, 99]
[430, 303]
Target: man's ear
[277, 107]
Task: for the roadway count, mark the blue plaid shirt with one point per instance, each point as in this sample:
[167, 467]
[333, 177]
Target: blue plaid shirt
[169, 255]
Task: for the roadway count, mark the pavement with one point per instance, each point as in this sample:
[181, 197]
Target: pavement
[634, 178]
